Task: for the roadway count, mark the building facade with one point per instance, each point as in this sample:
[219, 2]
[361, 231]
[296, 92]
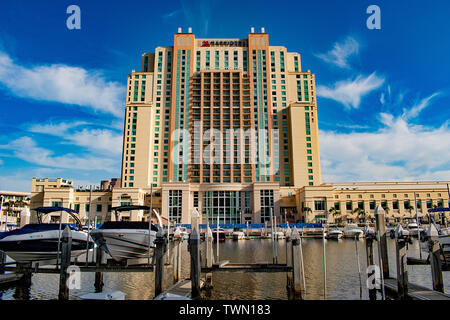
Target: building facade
[221, 125]
[230, 127]
[13, 206]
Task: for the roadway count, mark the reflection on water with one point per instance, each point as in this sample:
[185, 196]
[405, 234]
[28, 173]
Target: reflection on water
[342, 274]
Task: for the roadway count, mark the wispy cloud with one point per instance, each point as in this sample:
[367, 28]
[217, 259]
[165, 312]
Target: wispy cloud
[341, 53]
[26, 149]
[95, 140]
[418, 107]
[63, 84]
[197, 14]
[349, 92]
[171, 14]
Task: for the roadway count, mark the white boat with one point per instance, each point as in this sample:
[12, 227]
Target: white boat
[413, 228]
[444, 241]
[183, 232]
[238, 234]
[442, 233]
[334, 232]
[352, 230]
[279, 235]
[124, 240]
[41, 241]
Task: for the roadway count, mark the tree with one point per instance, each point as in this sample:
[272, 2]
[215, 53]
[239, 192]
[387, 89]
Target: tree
[409, 208]
[333, 211]
[306, 210]
[360, 212]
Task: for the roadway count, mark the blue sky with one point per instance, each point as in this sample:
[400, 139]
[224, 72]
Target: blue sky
[383, 95]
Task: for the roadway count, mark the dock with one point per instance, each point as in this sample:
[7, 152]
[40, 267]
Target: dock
[415, 292]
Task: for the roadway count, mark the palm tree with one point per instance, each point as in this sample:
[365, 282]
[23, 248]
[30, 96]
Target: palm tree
[334, 212]
[360, 212]
[409, 208]
[306, 210]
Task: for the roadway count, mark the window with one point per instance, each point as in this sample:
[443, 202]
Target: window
[99, 208]
[319, 205]
[395, 205]
[267, 204]
[175, 205]
[348, 206]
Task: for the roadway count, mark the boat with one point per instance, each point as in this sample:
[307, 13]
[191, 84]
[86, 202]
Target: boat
[279, 235]
[413, 228]
[238, 234]
[442, 233]
[124, 240]
[218, 233]
[42, 241]
[351, 230]
[183, 232]
[334, 232]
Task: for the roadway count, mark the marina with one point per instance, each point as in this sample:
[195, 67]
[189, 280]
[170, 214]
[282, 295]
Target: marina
[296, 267]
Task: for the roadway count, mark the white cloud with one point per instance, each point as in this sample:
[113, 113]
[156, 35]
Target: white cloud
[349, 92]
[63, 84]
[398, 151]
[95, 140]
[26, 149]
[341, 53]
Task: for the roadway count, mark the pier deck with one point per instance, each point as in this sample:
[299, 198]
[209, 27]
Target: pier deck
[415, 292]
[182, 288]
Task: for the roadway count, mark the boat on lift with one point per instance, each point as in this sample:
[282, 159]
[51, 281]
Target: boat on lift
[413, 228]
[351, 230]
[124, 240]
[442, 233]
[42, 241]
[333, 232]
[238, 234]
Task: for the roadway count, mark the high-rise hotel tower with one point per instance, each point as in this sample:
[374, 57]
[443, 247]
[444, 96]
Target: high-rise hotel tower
[227, 126]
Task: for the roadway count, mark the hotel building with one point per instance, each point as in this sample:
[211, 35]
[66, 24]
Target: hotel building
[230, 127]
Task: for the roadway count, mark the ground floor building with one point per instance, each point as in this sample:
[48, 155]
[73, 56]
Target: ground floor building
[253, 203]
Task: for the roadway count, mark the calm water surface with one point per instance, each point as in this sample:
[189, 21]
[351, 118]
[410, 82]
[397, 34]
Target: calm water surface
[343, 282]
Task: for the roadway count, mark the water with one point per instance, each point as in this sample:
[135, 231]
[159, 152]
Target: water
[342, 274]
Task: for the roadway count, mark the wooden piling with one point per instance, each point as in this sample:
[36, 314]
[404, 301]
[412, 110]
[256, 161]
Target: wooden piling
[177, 256]
[370, 262]
[436, 265]
[297, 287]
[209, 256]
[194, 244]
[66, 248]
[160, 242]
[98, 275]
[288, 263]
[2, 262]
[380, 221]
[402, 267]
